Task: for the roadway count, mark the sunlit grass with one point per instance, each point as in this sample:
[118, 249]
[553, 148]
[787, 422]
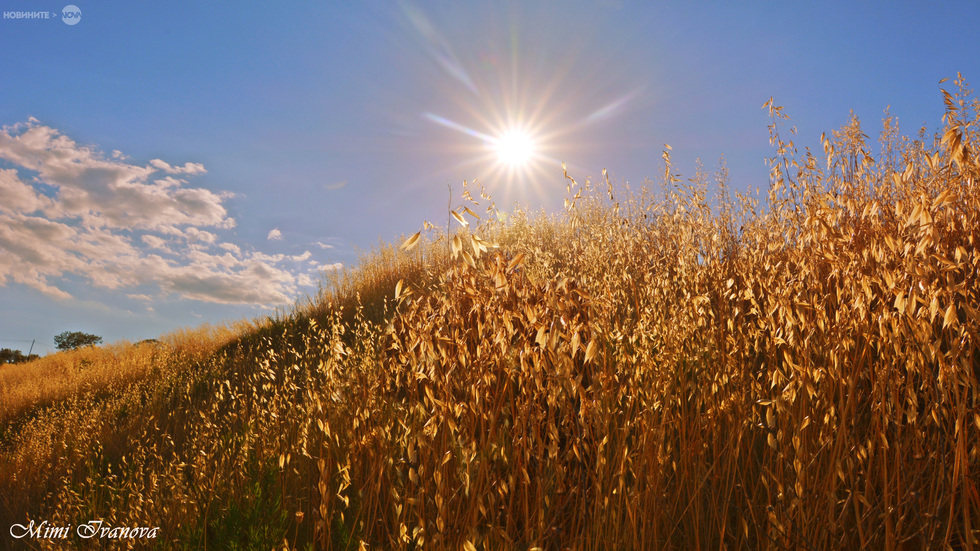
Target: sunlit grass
[654, 368]
[93, 369]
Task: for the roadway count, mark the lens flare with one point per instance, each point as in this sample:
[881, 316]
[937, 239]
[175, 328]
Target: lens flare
[514, 148]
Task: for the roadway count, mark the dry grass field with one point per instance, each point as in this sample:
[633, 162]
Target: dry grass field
[677, 366]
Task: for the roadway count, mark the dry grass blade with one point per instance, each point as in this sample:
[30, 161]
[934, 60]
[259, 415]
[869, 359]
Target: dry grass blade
[459, 218]
[515, 262]
[411, 241]
[457, 245]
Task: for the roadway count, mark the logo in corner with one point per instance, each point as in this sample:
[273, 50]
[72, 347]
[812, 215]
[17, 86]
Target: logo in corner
[71, 15]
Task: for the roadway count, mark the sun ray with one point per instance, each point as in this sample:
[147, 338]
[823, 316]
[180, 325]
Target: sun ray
[456, 126]
[515, 110]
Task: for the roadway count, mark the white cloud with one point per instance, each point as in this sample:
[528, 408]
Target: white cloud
[107, 192]
[119, 225]
[17, 196]
[274, 234]
[155, 242]
[188, 168]
[328, 243]
[231, 247]
[194, 234]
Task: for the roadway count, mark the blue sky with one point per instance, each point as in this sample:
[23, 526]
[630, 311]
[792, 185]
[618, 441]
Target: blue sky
[164, 164]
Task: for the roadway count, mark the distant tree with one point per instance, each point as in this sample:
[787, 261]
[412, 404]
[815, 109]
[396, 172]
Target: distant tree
[8, 356]
[70, 340]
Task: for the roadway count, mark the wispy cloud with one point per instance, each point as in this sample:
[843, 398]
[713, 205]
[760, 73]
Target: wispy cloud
[68, 210]
[188, 168]
[274, 234]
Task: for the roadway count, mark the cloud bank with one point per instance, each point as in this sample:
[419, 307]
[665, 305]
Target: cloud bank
[68, 210]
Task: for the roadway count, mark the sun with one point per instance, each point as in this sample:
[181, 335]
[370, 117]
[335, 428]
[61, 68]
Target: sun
[515, 148]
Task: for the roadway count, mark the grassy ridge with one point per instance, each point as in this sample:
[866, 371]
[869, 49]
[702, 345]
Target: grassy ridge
[660, 368]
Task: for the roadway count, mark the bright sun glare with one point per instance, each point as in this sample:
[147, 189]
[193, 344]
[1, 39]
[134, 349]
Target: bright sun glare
[514, 148]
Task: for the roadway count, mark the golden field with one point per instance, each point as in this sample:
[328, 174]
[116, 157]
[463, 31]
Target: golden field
[678, 366]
